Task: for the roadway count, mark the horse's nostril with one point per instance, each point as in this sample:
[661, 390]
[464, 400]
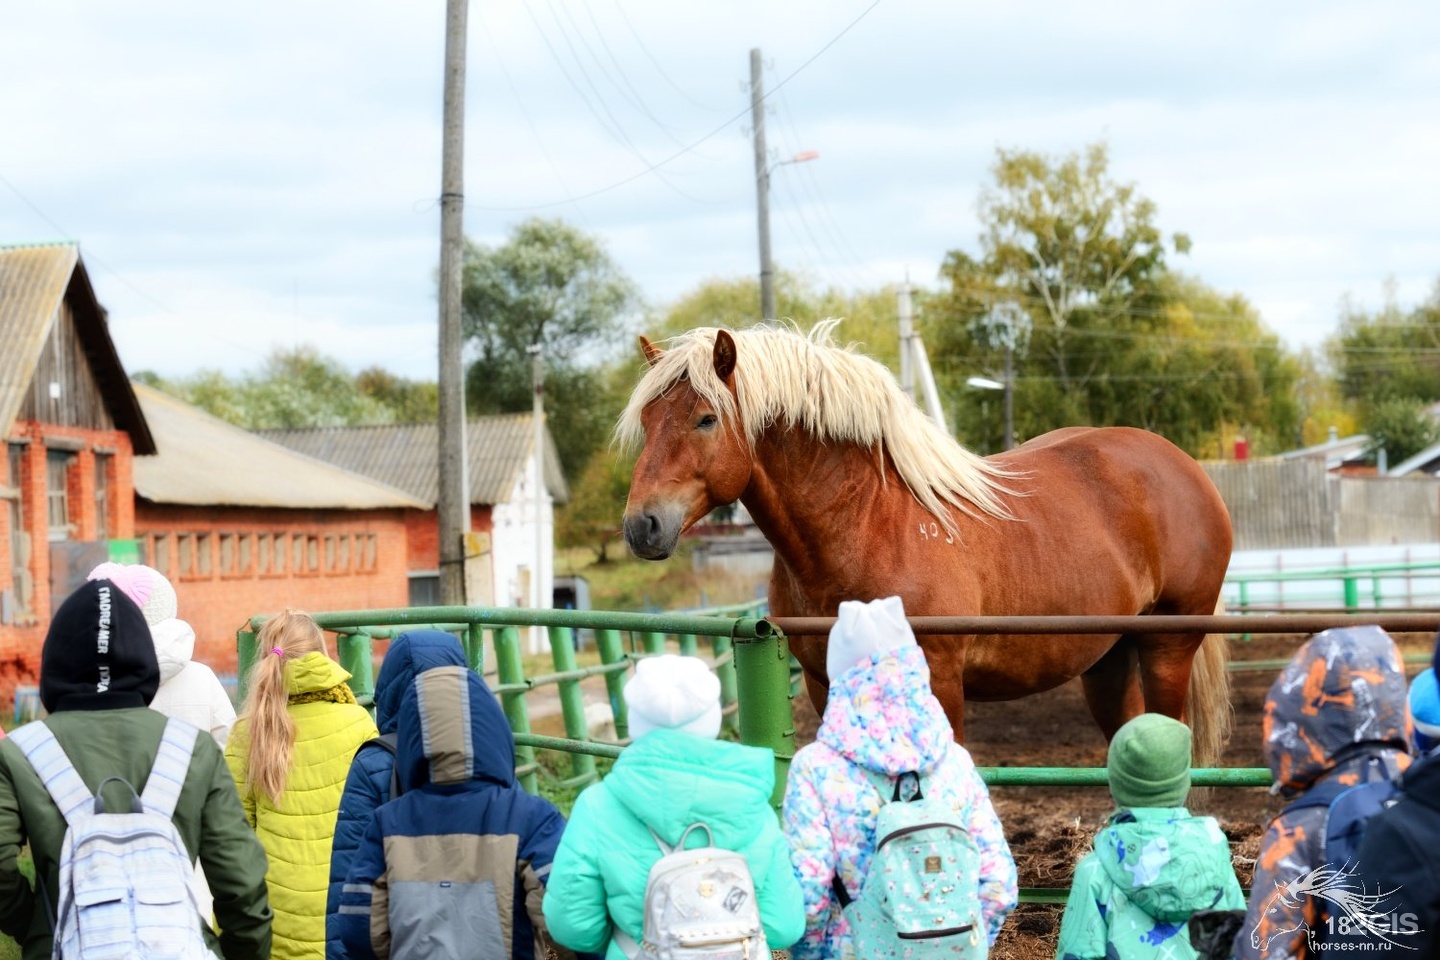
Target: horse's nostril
[652, 527]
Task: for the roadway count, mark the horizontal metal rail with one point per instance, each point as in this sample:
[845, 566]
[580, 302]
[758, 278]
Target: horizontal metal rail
[748, 628]
[1157, 623]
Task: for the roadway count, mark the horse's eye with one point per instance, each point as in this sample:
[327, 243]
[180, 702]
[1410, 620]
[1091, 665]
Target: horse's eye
[706, 422]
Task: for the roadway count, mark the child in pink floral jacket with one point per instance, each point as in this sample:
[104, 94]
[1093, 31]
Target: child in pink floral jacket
[881, 717]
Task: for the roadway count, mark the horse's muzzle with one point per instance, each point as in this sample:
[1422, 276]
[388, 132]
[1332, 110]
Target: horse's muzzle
[652, 532]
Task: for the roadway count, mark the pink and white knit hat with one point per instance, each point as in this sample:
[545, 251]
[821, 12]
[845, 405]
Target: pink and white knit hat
[152, 593]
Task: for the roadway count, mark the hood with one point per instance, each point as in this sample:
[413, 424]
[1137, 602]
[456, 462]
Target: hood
[174, 645]
[98, 654]
[312, 673]
[1344, 690]
[451, 730]
[410, 654]
[1169, 863]
[882, 715]
[724, 785]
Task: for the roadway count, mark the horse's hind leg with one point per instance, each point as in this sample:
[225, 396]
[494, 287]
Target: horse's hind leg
[1165, 662]
[1112, 687]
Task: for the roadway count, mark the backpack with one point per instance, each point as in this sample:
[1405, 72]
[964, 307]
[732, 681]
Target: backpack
[389, 742]
[124, 877]
[699, 903]
[921, 896]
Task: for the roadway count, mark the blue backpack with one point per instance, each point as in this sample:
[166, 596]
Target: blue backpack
[921, 895]
[1348, 809]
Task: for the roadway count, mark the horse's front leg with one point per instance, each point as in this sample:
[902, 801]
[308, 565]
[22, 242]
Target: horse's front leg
[949, 689]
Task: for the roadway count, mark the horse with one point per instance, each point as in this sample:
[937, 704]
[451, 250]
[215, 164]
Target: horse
[862, 496]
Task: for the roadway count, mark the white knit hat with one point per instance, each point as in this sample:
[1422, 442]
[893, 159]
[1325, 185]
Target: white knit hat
[865, 629]
[673, 693]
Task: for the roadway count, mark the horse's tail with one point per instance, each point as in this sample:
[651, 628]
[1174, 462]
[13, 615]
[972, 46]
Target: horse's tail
[1207, 703]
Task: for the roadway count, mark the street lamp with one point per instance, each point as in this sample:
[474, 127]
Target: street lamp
[762, 197]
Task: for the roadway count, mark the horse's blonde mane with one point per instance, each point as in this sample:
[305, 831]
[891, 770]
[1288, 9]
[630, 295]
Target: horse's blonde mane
[784, 376]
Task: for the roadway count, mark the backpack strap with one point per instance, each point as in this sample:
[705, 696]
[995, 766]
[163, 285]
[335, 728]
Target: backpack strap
[390, 743]
[55, 770]
[172, 763]
[880, 781]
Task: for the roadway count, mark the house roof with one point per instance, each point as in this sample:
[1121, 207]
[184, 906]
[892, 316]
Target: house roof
[1426, 461]
[406, 455]
[1334, 452]
[201, 460]
[34, 279]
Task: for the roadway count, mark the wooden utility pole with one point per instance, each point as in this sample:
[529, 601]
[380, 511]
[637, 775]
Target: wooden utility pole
[762, 187]
[454, 498]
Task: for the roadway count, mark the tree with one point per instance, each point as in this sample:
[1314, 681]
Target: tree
[409, 401]
[1402, 427]
[550, 284]
[1115, 337]
[596, 509]
[1390, 354]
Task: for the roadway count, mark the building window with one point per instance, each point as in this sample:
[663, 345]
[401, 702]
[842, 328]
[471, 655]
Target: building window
[160, 553]
[425, 590]
[246, 546]
[204, 555]
[57, 493]
[227, 554]
[22, 582]
[365, 552]
[102, 496]
[185, 554]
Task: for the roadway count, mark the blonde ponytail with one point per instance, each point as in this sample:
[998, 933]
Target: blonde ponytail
[266, 714]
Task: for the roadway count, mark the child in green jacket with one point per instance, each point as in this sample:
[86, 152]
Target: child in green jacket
[1154, 864]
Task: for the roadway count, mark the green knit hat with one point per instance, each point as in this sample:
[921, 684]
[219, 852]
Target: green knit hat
[1149, 762]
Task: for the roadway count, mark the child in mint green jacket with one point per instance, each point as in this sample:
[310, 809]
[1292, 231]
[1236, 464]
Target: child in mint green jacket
[1154, 864]
[674, 774]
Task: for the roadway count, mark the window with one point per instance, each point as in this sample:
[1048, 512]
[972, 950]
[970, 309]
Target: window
[57, 493]
[22, 581]
[204, 555]
[185, 548]
[342, 558]
[331, 551]
[297, 554]
[365, 552]
[312, 554]
[227, 554]
[160, 552]
[102, 496]
[425, 590]
[246, 546]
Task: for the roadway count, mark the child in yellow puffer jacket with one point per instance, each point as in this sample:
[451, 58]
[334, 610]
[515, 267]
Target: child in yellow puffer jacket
[289, 753]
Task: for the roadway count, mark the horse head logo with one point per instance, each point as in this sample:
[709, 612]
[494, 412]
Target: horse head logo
[1336, 886]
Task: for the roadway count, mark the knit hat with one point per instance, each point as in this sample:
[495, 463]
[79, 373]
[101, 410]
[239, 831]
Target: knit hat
[1425, 711]
[98, 654]
[1149, 762]
[673, 693]
[863, 630]
[152, 593]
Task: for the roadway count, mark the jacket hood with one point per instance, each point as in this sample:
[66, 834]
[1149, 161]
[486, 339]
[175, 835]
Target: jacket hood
[882, 715]
[1164, 874]
[410, 654]
[452, 731]
[715, 782]
[311, 673]
[1342, 692]
[174, 646]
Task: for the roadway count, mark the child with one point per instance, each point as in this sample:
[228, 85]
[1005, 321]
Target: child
[1336, 714]
[1155, 864]
[674, 774]
[188, 689]
[881, 721]
[456, 866]
[289, 754]
[371, 772]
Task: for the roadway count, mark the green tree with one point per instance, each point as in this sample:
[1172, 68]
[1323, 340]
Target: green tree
[593, 517]
[1390, 354]
[553, 285]
[1115, 337]
[409, 401]
[1402, 427]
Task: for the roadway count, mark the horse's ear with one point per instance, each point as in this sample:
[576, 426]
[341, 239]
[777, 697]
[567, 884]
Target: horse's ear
[652, 352]
[724, 355]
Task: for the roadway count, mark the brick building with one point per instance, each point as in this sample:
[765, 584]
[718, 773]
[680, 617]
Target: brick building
[506, 501]
[243, 526]
[72, 426]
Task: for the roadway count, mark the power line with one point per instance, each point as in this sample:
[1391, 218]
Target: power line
[687, 149]
[659, 69]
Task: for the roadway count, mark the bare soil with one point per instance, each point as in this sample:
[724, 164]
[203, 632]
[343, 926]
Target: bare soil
[1050, 828]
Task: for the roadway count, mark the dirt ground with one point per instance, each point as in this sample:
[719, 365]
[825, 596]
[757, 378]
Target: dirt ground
[1050, 828]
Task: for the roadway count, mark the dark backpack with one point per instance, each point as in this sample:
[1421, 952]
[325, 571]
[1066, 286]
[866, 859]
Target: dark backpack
[389, 743]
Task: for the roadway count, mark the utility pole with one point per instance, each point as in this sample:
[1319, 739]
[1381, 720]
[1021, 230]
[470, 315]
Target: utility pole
[1010, 393]
[907, 332]
[762, 187]
[537, 418]
[453, 504]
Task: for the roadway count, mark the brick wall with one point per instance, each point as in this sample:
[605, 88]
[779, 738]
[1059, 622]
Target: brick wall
[230, 563]
[422, 528]
[20, 642]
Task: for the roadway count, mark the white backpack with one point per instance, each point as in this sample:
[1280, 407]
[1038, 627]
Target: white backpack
[125, 878]
[699, 903]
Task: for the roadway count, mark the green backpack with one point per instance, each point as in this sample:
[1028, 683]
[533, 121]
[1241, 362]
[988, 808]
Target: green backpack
[921, 896]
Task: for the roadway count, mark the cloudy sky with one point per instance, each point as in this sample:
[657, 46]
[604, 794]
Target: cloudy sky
[246, 175]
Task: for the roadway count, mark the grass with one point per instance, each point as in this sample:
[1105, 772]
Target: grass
[627, 583]
[9, 949]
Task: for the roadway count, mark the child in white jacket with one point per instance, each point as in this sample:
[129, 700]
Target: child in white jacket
[189, 690]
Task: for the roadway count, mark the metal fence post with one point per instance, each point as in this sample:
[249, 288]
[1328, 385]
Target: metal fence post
[572, 704]
[721, 646]
[511, 669]
[354, 654]
[245, 659]
[762, 673]
[475, 647]
[612, 650]
[688, 645]
[654, 642]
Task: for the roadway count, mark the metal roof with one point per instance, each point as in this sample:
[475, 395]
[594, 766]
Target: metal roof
[34, 279]
[201, 460]
[407, 455]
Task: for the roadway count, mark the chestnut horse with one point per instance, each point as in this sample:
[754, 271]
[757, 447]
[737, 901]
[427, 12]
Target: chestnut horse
[863, 496]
